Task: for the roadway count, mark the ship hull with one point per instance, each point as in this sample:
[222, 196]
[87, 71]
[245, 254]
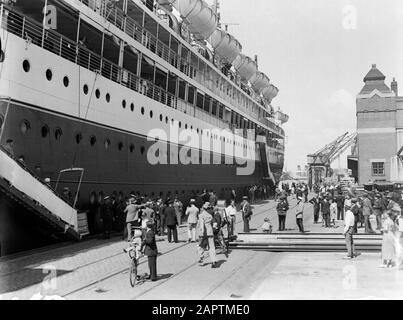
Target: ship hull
[108, 171]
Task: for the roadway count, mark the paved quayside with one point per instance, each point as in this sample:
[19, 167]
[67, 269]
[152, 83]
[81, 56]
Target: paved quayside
[98, 269]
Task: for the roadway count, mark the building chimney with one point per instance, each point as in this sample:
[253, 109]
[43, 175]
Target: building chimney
[394, 88]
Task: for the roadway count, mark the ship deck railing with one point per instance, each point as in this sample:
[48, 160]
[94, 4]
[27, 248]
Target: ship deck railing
[117, 17]
[33, 32]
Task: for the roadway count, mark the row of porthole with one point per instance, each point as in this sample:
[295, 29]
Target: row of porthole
[25, 126]
[49, 76]
[26, 65]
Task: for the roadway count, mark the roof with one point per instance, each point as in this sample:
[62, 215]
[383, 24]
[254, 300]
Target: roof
[375, 80]
[378, 85]
[374, 74]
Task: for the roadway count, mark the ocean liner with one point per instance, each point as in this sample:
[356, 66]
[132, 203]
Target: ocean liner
[84, 83]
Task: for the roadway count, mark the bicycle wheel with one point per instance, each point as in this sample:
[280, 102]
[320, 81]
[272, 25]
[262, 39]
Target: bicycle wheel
[133, 272]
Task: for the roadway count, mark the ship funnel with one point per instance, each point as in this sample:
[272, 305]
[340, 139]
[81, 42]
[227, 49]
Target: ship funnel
[259, 81]
[225, 45]
[245, 66]
[199, 16]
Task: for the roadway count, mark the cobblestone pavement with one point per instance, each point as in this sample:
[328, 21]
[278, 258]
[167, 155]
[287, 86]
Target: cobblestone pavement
[98, 269]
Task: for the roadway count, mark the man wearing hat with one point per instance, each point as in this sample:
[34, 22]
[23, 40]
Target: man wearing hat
[355, 210]
[366, 212]
[349, 225]
[246, 214]
[206, 235]
[282, 208]
[107, 216]
[192, 213]
[149, 246]
[325, 208]
[171, 222]
[299, 211]
[377, 209]
[132, 211]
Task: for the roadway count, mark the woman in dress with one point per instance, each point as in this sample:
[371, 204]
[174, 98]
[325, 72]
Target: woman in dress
[388, 240]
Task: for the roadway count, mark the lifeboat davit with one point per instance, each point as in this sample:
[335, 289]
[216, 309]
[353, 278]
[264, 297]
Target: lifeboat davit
[199, 16]
[245, 66]
[259, 81]
[225, 45]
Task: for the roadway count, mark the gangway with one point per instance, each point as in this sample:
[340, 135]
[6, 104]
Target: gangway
[22, 187]
[264, 158]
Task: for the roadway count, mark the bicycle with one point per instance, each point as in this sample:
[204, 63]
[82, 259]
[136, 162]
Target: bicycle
[135, 255]
[221, 243]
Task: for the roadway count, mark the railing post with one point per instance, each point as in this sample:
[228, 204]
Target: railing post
[23, 27]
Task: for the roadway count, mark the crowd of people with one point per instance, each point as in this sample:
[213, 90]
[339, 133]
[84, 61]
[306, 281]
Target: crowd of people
[205, 220]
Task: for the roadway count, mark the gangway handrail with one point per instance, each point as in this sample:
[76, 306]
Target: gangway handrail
[79, 183]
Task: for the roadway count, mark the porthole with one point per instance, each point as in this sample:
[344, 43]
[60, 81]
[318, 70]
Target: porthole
[44, 131]
[151, 114]
[142, 110]
[25, 126]
[79, 137]
[161, 117]
[97, 93]
[85, 89]
[26, 65]
[180, 124]
[93, 141]
[66, 81]
[107, 143]
[197, 130]
[131, 148]
[132, 107]
[142, 150]
[186, 126]
[166, 120]
[120, 146]
[58, 133]
[49, 74]
[124, 104]
[108, 97]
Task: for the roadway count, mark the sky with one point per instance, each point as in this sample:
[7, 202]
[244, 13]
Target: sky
[317, 53]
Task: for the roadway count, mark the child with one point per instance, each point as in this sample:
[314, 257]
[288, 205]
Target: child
[267, 226]
[136, 242]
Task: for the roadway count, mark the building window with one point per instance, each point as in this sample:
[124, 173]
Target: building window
[85, 89]
[378, 168]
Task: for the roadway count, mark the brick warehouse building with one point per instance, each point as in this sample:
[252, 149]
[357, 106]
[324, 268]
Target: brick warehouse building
[379, 129]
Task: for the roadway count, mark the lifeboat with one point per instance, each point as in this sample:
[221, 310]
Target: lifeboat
[245, 66]
[282, 117]
[259, 81]
[270, 92]
[199, 16]
[225, 45]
